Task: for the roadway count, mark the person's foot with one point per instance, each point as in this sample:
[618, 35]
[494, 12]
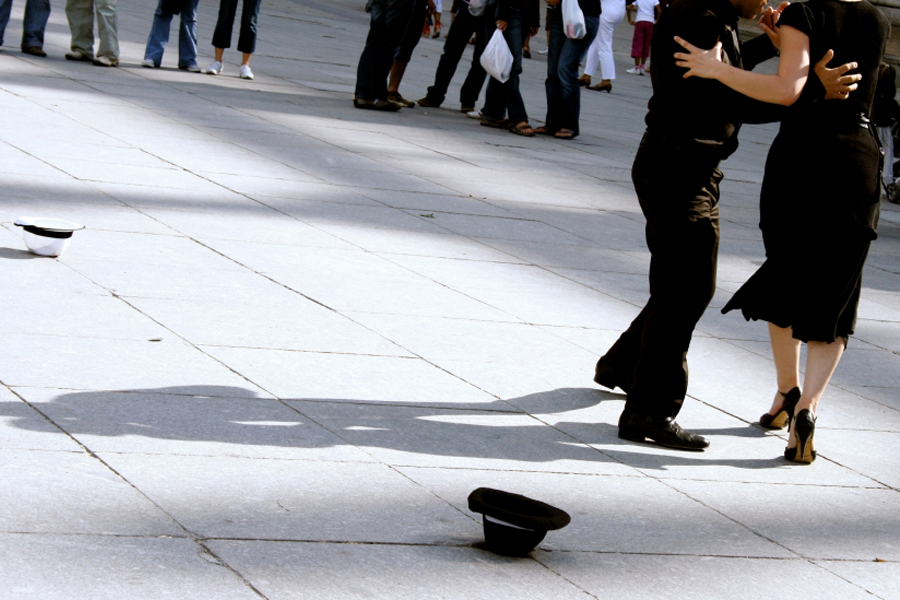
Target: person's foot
[564, 134]
[427, 103]
[584, 80]
[246, 73]
[191, 68]
[375, 105]
[635, 71]
[603, 86]
[466, 109]
[475, 114]
[665, 432]
[396, 98]
[522, 128]
[437, 32]
[215, 68]
[106, 61]
[148, 64]
[78, 55]
[610, 377]
[34, 51]
[526, 53]
[544, 51]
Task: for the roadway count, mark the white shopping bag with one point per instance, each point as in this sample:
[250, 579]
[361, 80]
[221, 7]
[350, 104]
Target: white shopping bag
[476, 7]
[496, 59]
[573, 20]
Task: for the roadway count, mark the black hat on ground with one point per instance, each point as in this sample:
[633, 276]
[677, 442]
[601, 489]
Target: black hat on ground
[514, 524]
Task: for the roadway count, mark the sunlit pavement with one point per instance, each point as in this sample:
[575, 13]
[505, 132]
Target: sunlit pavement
[295, 335]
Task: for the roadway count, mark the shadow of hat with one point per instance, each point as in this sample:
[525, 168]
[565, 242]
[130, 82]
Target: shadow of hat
[514, 524]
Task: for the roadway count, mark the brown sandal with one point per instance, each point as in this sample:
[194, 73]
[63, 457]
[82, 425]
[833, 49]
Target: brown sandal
[522, 128]
[564, 134]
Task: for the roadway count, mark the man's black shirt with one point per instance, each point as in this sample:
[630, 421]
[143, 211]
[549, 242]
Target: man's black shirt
[695, 110]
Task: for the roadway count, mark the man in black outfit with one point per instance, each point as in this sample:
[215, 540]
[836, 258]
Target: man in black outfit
[692, 125]
[464, 25]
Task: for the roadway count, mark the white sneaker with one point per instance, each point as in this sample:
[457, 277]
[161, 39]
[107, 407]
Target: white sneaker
[215, 68]
[194, 68]
[148, 64]
[544, 51]
[475, 114]
[246, 73]
[635, 71]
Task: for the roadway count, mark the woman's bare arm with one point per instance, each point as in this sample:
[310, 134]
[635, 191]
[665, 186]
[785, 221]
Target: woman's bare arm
[782, 88]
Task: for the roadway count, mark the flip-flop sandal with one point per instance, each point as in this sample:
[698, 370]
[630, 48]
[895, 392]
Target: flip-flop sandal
[564, 134]
[496, 123]
[542, 131]
[524, 130]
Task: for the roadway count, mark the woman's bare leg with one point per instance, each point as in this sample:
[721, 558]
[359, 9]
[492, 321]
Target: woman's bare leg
[786, 353]
[821, 360]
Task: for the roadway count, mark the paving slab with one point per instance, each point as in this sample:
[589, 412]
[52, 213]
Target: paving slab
[270, 499]
[57, 567]
[351, 571]
[195, 420]
[631, 576]
[50, 491]
[612, 513]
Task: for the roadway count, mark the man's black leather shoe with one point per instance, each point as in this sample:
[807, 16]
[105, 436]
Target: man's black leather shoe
[665, 432]
[609, 377]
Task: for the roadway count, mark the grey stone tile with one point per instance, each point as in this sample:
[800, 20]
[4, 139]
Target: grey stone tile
[30, 360]
[281, 320]
[813, 521]
[24, 428]
[491, 342]
[58, 567]
[190, 420]
[878, 579]
[79, 315]
[300, 571]
[72, 492]
[347, 377]
[483, 436]
[611, 513]
[636, 577]
[293, 500]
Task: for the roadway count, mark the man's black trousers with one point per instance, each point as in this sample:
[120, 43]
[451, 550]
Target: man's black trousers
[677, 185]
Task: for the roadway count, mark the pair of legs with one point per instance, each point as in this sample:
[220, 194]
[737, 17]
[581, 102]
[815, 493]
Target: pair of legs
[563, 90]
[461, 30]
[677, 184]
[821, 360]
[187, 35]
[388, 22]
[34, 22]
[404, 52]
[225, 23]
[600, 53]
[80, 14]
[505, 99]
[640, 43]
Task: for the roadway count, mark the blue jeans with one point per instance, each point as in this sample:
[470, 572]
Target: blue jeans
[563, 57]
[504, 98]
[389, 19]
[37, 12]
[187, 35]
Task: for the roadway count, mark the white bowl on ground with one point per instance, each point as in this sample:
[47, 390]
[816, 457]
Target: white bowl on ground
[47, 237]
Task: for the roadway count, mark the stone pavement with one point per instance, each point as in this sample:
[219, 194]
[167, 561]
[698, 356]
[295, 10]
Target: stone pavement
[294, 336]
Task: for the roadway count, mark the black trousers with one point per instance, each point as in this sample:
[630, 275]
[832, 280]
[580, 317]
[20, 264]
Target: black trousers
[461, 30]
[225, 23]
[678, 188]
[388, 22]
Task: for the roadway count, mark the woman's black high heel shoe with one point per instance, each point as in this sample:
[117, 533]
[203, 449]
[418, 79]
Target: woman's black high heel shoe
[804, 429]
[783, 417]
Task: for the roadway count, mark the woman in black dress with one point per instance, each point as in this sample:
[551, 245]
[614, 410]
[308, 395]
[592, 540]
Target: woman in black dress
[819, 202]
